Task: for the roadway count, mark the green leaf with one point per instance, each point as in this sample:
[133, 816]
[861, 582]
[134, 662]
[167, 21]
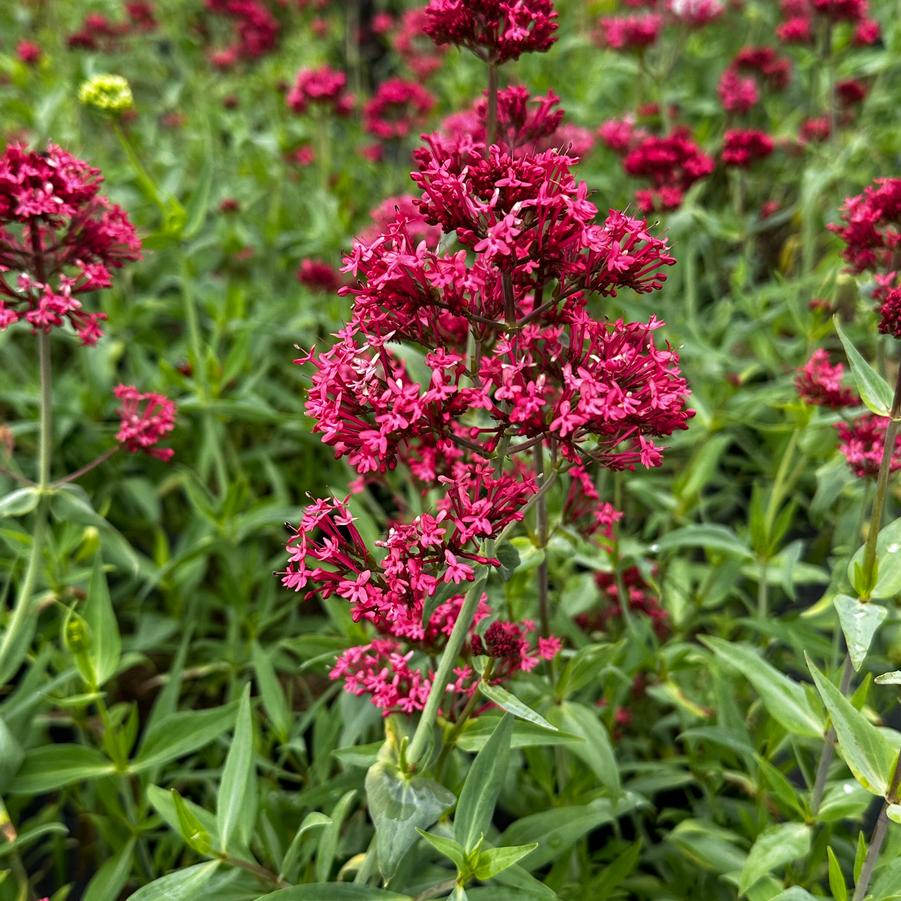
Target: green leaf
[190, 828]
[237, 777]
[865, 749]
[482, 786]
[512, 704]
[274, 702]
[399, 806]
[313, 820]
[447, 847]
[108, 881]
[596, 750]
[784, 699]
[333, 891]
[54, 766]
[873, 389]
[893, 812]
[183, 816]
[559, 829]
[859, 624]
[495, 860]
[525, 735]
[709, 537]
[775, 847]
[888, 563]
[11, 755]
[182, 733]
[328, 840]
[860, 855]
[105, 646]
[19, 502]
[508, 555]
[889, 678]
[836, 879]
[182, 885]
[30, 836]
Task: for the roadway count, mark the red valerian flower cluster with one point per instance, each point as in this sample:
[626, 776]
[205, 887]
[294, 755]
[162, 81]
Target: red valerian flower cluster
[871, 230]
[413, 46]
[256, 31]
[397, 108]
[59, 239]
[494, 30]
[320, 89]
[629, 32]
[143, 420]
[97, 32]
[799, 18]
[695, 12]
[640, 599]
[820, 383]
[863, 443]
[318, 275]
[672, 164]
[742, 147]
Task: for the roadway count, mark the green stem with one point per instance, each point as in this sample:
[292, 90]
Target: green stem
[542, 518]
[445, 665]
[491, 120]
[147, 184]
[869, 864]
[12, 647]
[885, 471]
[465, 714]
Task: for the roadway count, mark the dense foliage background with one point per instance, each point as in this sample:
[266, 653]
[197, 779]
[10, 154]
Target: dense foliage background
[689, 727]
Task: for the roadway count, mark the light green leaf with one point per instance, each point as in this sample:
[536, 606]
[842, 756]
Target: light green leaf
[888, 561]
[190, 828]
[54, 766]
[559, 829]
[889, 678]
[873, 389]
[774, 848]
[709, 537]
[399, 806]
[11, 755]
[495, 860]
[865, 750]
[19, 502]
[184, 817]
[784, 699]
[525, 735]
[182, 885]
[448, 848]
[274, 702]
[313, 820]
[108, 881]
[237, 776]
[509, 702]
[105, 645]
[333, 891]
[893, 812]
[30, 836]
[596, 750]
[482, 786]
[182, 733]
[327, 845]
[837, 884]
[859, 624]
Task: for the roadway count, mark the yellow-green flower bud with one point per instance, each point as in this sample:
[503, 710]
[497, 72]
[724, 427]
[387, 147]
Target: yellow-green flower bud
[108, 93]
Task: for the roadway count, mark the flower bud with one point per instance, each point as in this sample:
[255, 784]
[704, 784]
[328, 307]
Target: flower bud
[107, 93]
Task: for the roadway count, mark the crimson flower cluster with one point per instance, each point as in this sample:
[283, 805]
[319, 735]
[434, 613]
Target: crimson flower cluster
[143, 421]
[800, 18]
[320, 89]
[97, 32]
[744, 146]
[870, 228]
[820, 383]
[411, 43]
[639, 597]
[397, 108]
[863, 443]
[256, 31]
[59, 239]
[494, 30]
[629, 32]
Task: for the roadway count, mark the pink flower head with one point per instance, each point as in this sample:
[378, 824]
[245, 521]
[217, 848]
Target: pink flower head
[890, 314]
[318, 276]
[640, 598]
[323, 88]
[495, 30]
[630, 32]
[413, 45]
[61, 236]
[863, 442]
[737, 93]
[742, 147]
[820, 383]
[397, 108]
[28, 52]
[672, 164]
[764, 61]
[695, 12]
[841, 10]
[256, 29]
[797, 30]
[870, 226]
[143, 420]
[867, 32]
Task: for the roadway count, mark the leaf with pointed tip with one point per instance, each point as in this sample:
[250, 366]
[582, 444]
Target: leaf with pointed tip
[509, 702]
[865, 749]
[105, 645]
[859, 624]
[873, 389]
[774, 848]
[889, 678]
[495, 860]
[237, 776]
[447, 847]
[888, 563]
[182, 885]
[596, 751]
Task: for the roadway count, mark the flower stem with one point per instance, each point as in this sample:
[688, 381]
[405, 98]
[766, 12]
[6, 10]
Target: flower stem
[866, 873]
[885, 471]
[542, 523]
[445, 665]
[12, 647]
[491, 120]
[74, 476]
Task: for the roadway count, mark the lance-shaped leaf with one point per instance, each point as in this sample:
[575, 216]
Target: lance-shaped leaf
[509, 702]
[237, 776]
[873, 389]
[859, 624]
[888, 563]
[105, 645]
[182, 885]
[774, 848]
[784, 699]
[596, 751]
[868, 753]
